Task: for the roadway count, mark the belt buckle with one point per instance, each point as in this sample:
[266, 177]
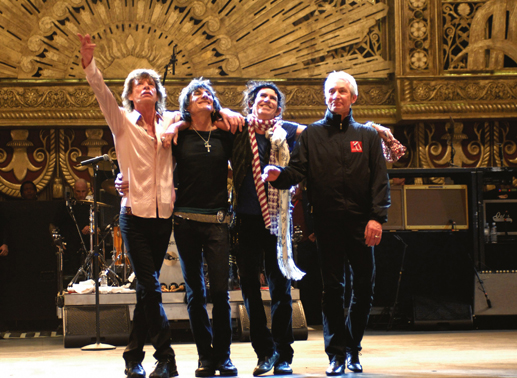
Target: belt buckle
[220, 216]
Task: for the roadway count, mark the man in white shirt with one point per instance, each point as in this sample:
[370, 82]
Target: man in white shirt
[146, 209]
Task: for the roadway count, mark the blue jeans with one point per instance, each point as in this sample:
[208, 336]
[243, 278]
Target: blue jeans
[340, 243]
[196, 240]
[257, 249]
[146, 241]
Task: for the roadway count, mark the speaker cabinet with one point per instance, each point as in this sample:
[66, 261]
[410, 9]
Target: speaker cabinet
[396, 210]
[501, 289]
[300, 330]
[436, 207]
[79, 325]
[441, 313]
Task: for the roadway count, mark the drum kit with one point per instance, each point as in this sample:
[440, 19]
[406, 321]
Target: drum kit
[119, 269]
[116, 272]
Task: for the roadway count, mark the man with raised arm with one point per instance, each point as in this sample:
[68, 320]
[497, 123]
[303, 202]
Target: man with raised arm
[146, 209]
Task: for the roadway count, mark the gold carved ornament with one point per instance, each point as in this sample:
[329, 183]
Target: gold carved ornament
[15, 172]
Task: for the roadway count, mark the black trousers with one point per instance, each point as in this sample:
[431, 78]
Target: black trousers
[146, 240]
[196, 240]
[341, 243]
[257, 250]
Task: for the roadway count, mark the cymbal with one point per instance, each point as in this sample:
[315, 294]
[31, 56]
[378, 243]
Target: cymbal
[109, 186]
[100, 204]
[103, 164]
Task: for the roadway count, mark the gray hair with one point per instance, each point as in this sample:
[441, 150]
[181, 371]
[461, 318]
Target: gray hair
[352, 85]
[144, 73]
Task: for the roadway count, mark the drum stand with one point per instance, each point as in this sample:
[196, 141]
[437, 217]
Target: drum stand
[88, 269]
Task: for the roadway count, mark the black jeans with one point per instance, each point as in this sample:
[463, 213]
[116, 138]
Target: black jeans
[196, 240]
[146, 240]
[340, 243]
[257, 249]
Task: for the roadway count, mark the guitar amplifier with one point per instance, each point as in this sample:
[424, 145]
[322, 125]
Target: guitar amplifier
[435, 207]
[396, 210]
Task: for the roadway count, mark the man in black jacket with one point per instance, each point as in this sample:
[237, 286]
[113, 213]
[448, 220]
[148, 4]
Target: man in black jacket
[348, 189]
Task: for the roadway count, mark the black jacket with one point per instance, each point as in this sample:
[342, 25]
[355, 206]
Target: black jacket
[344, 166]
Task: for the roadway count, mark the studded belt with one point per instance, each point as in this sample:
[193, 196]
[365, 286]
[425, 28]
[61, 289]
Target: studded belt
[220, 217]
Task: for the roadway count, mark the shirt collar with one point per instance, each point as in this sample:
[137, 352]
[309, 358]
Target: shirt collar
[334, 119]
[135, 116]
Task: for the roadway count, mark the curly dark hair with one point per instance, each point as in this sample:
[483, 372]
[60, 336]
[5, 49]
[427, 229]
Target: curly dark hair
[253, 88]
[184, 98]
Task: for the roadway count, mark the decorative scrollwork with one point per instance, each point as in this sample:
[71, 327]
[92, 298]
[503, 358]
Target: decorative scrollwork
[479, 35]
[20, 162]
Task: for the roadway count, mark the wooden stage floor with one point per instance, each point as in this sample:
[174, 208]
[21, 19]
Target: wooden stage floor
[488, 353]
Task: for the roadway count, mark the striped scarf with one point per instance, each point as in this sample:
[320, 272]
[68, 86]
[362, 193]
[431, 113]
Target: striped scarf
[276, 207]
[263, 125]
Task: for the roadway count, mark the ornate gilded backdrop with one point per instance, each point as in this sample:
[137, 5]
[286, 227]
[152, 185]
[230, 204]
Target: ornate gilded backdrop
[422, 65]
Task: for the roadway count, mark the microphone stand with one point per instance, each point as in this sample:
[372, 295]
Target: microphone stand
[172, 62]
[395, 304]
[83, 268]
[97, 345]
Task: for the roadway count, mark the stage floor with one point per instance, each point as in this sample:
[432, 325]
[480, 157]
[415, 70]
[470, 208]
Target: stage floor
[386, 354]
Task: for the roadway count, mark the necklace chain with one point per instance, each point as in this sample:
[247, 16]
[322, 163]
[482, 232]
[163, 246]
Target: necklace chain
[207, 141]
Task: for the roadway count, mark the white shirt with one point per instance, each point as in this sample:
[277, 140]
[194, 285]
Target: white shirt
[147, 167]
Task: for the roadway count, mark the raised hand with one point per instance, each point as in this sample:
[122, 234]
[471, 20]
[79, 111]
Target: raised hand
[87, 48]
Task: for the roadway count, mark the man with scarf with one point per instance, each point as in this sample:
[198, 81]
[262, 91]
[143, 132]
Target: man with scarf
[348, 188]
[257, 226]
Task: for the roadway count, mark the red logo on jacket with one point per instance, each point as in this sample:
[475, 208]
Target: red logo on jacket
[356, 146]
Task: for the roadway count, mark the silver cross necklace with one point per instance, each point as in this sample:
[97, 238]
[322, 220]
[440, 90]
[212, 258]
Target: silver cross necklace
[207, 141]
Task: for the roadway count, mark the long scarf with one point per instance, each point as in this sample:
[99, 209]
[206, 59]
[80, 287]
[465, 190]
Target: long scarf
[282, 217]
[264, 125]
[276, 207]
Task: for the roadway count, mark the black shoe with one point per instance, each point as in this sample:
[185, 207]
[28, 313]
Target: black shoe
[134, 370]
[226, 368]
[336, 366]
[205, 369]
[283, 368]
[266, 364]
[165, 369]
[352, 362]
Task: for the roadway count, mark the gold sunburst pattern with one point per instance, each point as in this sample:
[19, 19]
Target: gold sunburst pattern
[232, 38]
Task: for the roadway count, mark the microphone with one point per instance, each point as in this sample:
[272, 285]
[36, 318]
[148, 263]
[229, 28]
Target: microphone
[113, 167]
[94, 160]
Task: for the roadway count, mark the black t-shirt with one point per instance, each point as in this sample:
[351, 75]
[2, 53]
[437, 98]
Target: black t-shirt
[201, 176]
